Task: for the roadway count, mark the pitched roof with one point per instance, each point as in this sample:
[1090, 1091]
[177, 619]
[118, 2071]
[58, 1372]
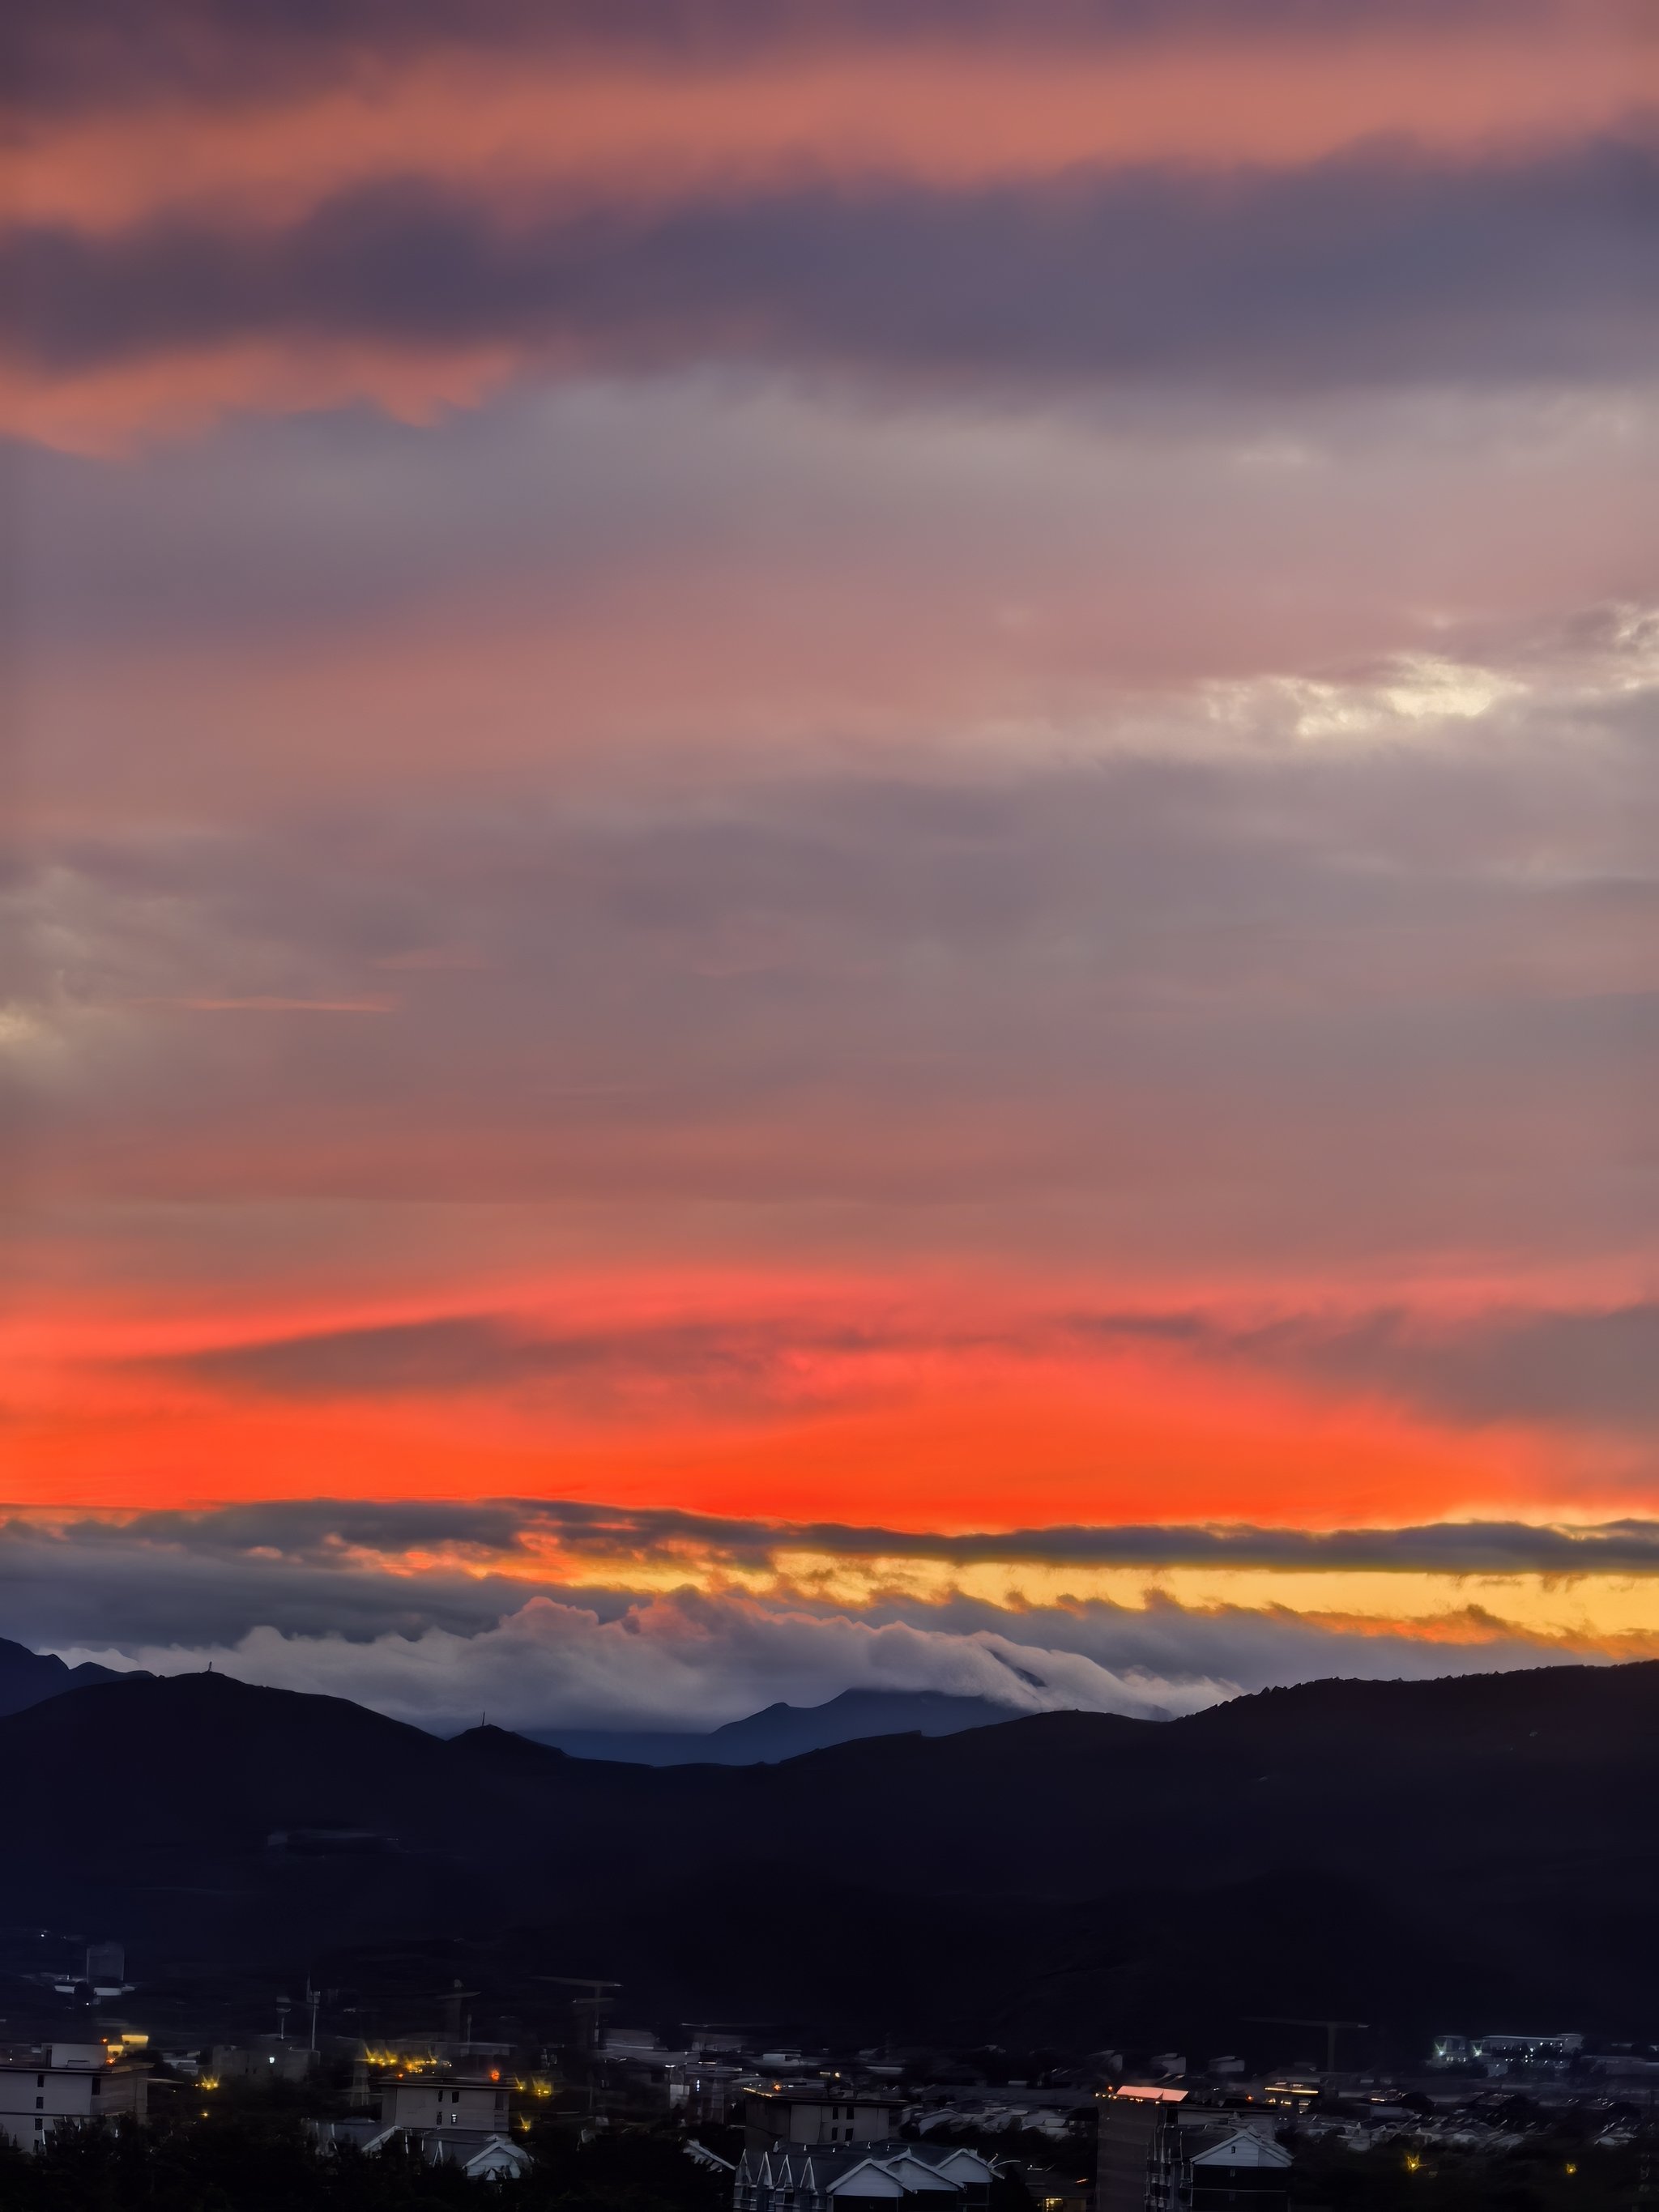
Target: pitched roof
[1242, 2147]
[906, 2168]
[871, 2176]
[495, 2154]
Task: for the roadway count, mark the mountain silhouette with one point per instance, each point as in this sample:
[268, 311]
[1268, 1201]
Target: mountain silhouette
[28, 1677]
[1475, 1850]
[784, 1731]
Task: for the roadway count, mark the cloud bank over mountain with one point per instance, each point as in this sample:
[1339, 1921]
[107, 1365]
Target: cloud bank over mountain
[570, 1616]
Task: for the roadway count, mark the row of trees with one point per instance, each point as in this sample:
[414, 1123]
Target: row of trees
[249, 2162]
[245, 2163]
[1552, 2172]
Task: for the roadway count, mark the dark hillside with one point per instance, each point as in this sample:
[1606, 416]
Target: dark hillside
[1429, 1851]
[27, 1678]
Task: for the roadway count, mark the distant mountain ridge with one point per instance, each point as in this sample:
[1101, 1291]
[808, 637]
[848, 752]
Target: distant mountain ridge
[1475, 1850]
[27, 1678]
[785, 1731]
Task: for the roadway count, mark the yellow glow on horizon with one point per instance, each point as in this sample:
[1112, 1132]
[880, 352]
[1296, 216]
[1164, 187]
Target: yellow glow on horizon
[1614, 1615]
[1587, 1605]
[1597, 1610]
[1609, 1615]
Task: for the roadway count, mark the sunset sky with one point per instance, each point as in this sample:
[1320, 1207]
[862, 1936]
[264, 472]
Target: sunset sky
[832, 845]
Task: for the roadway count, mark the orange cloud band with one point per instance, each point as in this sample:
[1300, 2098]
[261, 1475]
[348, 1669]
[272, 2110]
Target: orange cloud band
[849, 1415]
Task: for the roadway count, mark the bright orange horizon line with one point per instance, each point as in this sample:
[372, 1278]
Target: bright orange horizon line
[1519, 1515]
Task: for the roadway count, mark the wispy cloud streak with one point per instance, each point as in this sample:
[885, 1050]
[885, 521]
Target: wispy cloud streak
[1599, 1368]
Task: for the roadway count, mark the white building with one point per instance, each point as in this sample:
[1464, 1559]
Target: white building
[862, 2177]
[1244, 2168]
[820, 2115]
[481, 2157]
[67, 2083]
[495, 2159]
[474, 2103]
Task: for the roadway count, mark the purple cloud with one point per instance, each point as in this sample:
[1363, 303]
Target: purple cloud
[1373, 268]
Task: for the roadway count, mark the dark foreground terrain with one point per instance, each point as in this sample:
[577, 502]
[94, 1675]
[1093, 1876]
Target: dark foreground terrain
[1416, 1855]
[259, 2163]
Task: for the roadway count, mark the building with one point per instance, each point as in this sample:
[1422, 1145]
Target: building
[495, 2159]
[1131, 2122]
[1218, 2165]
[632, 2066]
[481, 2156]
[106, 1966]
[474, 2104]
[1528, 2054]
[271, 2058]
[1051, 2191]
[67, 2083]
[375, 2063]
[1159, 2151]
[862, 2177]
[1046, 2110]
[818, 2115]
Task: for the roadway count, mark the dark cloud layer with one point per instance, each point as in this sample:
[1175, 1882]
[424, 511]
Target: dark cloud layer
[1593, 1368]
[170, 1582]
[485, 1353]
[1372, 268]
[340, 1538]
